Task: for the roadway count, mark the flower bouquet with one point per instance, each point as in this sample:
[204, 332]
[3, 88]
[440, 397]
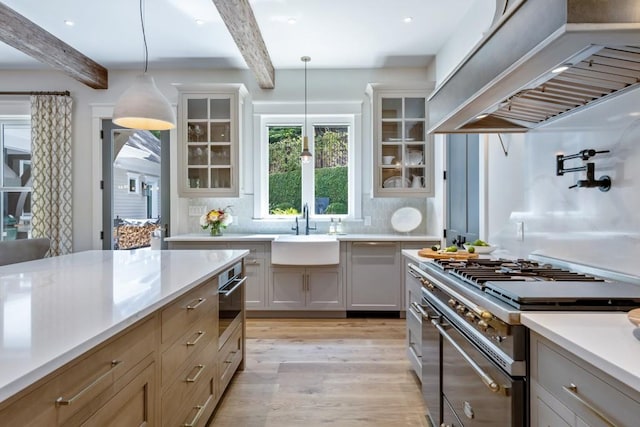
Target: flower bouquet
[215, 220]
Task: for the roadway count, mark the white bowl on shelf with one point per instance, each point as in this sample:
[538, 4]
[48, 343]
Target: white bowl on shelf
[387, 160]
[480, 249]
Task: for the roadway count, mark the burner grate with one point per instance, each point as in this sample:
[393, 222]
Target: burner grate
[478, 271]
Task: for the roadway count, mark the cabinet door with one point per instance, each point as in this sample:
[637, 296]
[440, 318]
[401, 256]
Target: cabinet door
[254, 289]
[209, 131]
[287, 290]
[403, 162]
[376, 277]
[324, 288]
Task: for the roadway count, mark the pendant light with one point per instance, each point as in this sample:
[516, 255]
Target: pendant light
[306, 155]
[142, 106]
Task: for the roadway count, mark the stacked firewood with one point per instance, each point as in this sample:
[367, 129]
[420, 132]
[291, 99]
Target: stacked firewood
[133, 236]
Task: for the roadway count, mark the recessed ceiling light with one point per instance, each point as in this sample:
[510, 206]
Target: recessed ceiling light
[69, 23]
[563, 67]
[199, 22]
[292, 21]
[407, 19]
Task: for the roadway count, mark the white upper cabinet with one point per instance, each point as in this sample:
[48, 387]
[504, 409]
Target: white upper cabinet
[402, 149]
[209, 129]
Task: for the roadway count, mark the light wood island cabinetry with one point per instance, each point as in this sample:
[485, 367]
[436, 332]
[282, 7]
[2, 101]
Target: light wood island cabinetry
[166, 368]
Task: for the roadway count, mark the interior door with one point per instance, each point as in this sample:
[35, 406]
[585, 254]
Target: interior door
[135, 175]
[462, 184]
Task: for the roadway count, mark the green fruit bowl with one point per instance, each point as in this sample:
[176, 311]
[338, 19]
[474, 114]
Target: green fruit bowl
[480, 249]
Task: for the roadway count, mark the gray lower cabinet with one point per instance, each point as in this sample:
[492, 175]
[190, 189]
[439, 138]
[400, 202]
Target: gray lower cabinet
[315, 288]
[567, 391]
[374, 276]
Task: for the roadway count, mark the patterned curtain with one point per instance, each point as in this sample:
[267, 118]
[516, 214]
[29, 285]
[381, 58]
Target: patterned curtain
[51, 198]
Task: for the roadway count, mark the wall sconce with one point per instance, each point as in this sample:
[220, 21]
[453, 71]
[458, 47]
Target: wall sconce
[604, 183]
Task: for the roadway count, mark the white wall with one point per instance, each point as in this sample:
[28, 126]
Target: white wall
[323, 85]
[581, 224]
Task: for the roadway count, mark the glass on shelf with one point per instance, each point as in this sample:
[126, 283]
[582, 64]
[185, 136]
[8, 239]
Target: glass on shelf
[391, 108]
[197, 109]
[197, 155]
[220, 109]
[391, 132]
[197, 178]
[220, 155]
[221, 178]
[414, 108]
[414, 130]
[221, 132]
[197, 132]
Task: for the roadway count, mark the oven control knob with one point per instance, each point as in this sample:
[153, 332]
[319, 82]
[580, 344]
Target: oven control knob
[471, 316]
[483, 325]
[452, 303]
[461, 308]
[486, 315]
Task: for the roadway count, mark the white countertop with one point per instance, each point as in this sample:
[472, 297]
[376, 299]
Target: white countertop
[229, 237]
[55, 309]
[603, 339]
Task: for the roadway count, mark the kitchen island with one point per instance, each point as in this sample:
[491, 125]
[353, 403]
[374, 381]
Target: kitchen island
[60, 312]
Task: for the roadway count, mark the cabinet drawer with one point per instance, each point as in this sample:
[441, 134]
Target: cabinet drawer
[582, 392]
[84, 385]
[133, 406]
[414, 332]
[191, 307]
[229, 357]
[184, 348]
[190, 379]
[196, 409]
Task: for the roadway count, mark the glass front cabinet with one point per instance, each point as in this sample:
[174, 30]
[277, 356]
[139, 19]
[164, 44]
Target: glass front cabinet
[209, 128]
[402, 149]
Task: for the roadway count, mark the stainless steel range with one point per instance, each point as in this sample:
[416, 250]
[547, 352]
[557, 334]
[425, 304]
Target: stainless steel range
[471, 322]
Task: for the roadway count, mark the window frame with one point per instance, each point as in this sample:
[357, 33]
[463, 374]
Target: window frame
[261, 186]
[21, 121]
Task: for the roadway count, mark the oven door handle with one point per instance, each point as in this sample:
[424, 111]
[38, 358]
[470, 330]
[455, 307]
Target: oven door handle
[486, 378]
[236, 286]
[417, 307]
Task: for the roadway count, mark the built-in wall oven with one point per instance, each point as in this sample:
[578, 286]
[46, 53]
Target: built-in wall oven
[230, 300]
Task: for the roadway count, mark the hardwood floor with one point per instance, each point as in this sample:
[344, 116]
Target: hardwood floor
[312, 372]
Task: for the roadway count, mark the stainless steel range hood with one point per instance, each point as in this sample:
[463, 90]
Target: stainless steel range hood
[510, 78]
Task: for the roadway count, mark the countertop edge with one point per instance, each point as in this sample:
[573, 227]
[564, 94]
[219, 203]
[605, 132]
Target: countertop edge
[49, 367]
[199, 237]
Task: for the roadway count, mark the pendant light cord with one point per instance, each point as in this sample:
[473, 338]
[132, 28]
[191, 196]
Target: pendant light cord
[144, 39]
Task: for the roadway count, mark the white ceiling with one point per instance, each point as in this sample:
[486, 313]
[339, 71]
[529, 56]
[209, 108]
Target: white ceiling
[335, 33]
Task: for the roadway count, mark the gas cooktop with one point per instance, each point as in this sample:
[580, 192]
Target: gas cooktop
[529, 285]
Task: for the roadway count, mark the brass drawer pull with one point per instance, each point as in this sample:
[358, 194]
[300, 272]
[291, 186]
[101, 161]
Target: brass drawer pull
[60, 401]
[194, 342]
[195, 419]
[193, 379]
[197, 304]
[573, 392]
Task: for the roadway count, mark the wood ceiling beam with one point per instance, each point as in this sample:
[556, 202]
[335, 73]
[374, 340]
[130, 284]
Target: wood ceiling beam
[241, 23]
[31, 39]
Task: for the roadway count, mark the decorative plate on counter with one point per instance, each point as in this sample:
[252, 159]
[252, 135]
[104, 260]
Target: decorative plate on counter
[395, 182]
[406, 219]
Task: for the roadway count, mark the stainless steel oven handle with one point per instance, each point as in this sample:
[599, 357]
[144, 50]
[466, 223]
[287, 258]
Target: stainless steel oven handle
[417, 307]
[573, 392]
[236, 286]
[486, 378]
